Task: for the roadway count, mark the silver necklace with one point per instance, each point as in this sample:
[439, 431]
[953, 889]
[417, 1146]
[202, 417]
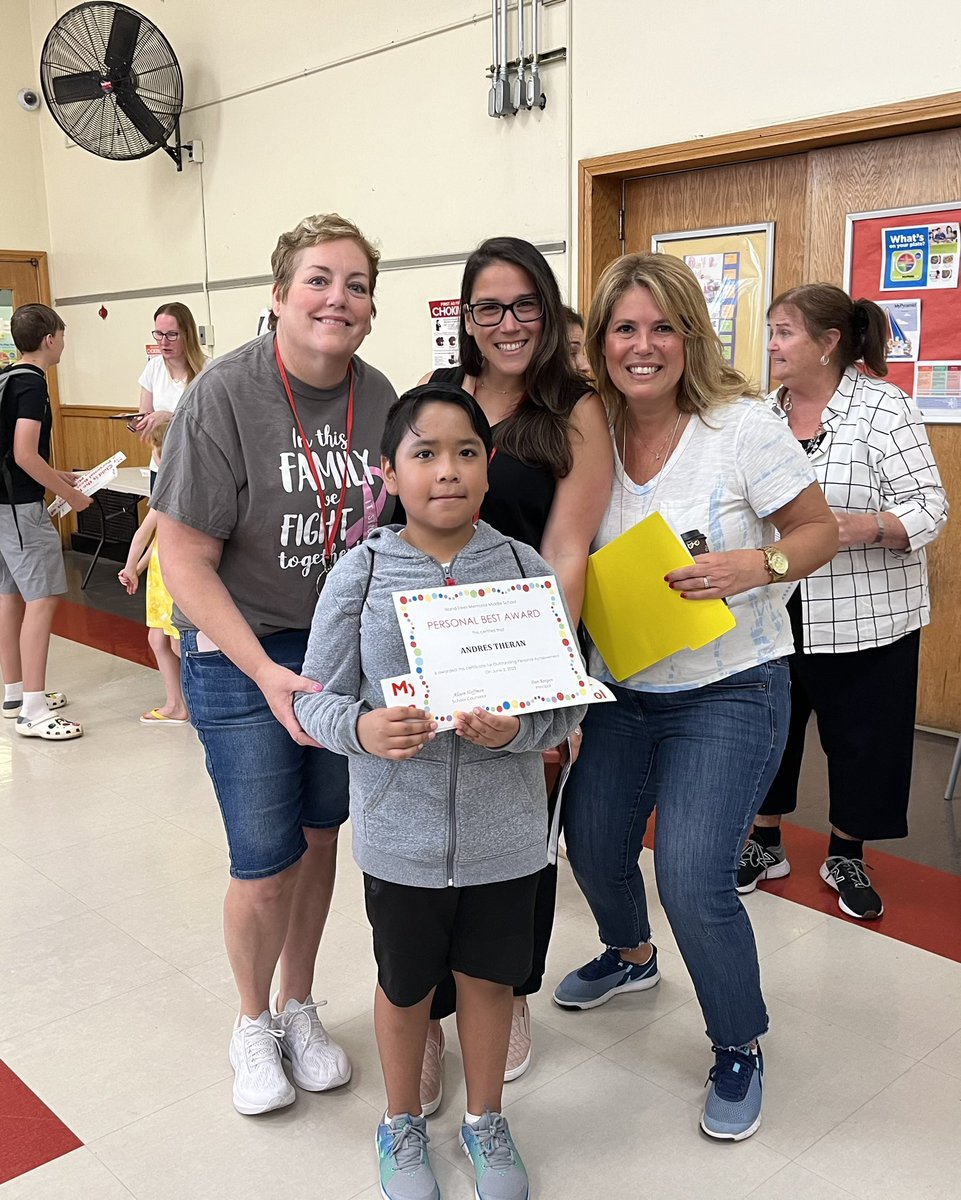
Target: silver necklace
[660, 473]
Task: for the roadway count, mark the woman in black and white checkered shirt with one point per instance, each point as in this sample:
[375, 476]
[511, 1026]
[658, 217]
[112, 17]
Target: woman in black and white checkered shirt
[857, 621]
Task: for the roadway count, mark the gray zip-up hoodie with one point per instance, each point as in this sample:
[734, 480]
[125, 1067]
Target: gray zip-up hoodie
[456, 814]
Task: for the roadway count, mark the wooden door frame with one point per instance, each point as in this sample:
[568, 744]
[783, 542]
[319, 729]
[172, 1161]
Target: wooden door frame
[602, 179]
[43, 277]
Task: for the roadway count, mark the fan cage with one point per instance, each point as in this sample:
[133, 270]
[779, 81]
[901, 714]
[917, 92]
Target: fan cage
[77, 43]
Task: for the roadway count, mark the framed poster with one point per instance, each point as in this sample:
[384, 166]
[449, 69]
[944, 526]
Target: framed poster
[907, 260]
[735, 267]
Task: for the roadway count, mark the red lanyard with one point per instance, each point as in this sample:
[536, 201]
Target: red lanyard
[331, 537]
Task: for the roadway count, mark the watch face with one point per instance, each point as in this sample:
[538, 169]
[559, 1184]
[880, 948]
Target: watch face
[778, 562]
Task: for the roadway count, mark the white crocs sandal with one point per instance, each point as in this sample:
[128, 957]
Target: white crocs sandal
[51, 729]
[11, 708]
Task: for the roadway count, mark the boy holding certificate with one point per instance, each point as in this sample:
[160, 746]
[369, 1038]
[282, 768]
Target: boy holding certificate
[450, 828]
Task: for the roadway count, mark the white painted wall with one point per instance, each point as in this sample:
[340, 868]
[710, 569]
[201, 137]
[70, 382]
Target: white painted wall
[381, 115]
[23, 204]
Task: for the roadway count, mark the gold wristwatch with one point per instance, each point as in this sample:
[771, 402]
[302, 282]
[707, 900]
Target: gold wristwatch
[776, 562]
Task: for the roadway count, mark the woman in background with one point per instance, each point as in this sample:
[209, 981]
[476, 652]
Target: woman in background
[857, 621]
[168, 373]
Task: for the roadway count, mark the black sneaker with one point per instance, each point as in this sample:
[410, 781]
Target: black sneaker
[759, 862]
[849, 879]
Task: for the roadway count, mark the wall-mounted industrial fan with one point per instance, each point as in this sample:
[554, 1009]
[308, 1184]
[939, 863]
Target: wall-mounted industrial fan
[112, 82]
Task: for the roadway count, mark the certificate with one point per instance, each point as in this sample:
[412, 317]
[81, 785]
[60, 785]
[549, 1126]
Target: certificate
[504, 646]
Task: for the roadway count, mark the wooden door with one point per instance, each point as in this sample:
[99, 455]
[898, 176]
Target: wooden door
[894, 173]
[808, 195]
[23, 280]
[769, 190]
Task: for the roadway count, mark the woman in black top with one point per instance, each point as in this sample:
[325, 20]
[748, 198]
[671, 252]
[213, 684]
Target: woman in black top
[550, 476]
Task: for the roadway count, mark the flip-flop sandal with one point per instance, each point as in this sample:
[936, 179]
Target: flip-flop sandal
[51, 729]
[156, 717]
[11, 708]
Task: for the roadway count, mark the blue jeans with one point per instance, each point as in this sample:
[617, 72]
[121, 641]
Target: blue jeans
[705, 758]
[268, 787]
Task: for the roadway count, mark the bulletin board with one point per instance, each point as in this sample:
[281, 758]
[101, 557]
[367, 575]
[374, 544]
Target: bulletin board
[908, 260]
[734, 265]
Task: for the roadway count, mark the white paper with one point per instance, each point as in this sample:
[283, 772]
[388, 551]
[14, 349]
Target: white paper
[90, 481]
[503, 646]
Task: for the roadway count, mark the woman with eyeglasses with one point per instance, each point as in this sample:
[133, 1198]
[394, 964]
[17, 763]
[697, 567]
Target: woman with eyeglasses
[167, 374]
[550, 474]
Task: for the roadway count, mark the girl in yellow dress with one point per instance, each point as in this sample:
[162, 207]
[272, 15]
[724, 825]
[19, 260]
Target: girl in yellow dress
[163, 638]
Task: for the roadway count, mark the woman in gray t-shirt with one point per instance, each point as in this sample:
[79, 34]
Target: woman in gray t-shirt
[270, 473]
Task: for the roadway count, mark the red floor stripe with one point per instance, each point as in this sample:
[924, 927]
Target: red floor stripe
[30, 1134]
[115, 635]
[922, 905]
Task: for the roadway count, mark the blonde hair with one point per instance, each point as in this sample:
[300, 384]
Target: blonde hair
[707, 381]
[159, 432]
[313, 231]
[189, 336]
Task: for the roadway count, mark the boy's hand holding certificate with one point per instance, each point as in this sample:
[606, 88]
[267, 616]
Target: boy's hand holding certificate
[504, 646]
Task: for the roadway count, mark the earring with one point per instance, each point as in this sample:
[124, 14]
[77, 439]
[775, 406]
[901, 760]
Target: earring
[825, 360]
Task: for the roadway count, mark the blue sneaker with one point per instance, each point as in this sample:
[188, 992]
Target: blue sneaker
[732, 1110]
[604, 977]
[405, 1170]
[499, 1172]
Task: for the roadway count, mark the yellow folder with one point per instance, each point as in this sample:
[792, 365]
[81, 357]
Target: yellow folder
[633, 617]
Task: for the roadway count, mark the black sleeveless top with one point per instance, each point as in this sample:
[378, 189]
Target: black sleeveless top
[518, 502]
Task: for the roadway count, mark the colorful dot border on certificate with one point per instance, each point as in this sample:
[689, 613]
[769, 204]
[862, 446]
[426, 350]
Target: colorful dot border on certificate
[511, 706]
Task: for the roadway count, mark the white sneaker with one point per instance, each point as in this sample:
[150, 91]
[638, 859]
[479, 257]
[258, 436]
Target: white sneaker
[260, 1084]
[317, 1063]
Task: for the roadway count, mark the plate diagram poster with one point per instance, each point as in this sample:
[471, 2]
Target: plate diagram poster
[445, 332]
[920, 256]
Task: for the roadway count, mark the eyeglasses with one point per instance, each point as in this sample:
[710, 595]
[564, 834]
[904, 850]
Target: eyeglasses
[164, 337]
[490, 312]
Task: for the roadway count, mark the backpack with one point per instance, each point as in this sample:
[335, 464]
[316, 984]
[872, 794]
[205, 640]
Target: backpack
[6, 452]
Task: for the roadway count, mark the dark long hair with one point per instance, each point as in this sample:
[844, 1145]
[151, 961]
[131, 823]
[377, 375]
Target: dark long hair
[862, 324]
[538, 433]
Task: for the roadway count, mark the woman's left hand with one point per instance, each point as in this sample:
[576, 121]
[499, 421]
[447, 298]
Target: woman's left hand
[855, 529]
[715, 576]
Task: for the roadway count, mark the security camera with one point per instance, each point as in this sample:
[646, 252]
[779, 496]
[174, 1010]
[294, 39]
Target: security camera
[27, 98]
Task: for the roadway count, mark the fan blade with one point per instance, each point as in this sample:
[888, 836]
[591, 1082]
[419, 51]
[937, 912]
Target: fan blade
[69, 89]
[140, 116]
[122, 42]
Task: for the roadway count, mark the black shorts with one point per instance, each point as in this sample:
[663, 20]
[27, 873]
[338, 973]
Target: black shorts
[420, 934]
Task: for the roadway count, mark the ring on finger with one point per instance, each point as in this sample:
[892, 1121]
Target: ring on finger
[707, 582]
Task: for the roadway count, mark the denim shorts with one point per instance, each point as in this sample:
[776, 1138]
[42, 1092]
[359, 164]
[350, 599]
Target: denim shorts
[268, 787]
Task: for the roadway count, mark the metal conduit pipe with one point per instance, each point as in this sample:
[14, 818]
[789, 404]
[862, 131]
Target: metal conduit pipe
[519, 97]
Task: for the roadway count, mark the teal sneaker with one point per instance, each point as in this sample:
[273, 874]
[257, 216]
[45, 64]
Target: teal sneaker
[405, 1170]
[499, 1171]
[732, 1110]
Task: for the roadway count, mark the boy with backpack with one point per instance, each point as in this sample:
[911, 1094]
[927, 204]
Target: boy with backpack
[451, 829]
[32, 576]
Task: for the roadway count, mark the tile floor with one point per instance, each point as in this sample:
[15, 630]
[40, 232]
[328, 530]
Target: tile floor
[117, 1003]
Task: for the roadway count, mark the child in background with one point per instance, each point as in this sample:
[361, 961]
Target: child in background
[451, 830]
[163, 638]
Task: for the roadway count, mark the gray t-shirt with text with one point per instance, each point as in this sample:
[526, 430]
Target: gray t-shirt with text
[235, 468]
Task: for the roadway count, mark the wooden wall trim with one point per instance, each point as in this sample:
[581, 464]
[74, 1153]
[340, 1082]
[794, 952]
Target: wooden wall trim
[864, 124]
[100, 411]
[602, 178]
